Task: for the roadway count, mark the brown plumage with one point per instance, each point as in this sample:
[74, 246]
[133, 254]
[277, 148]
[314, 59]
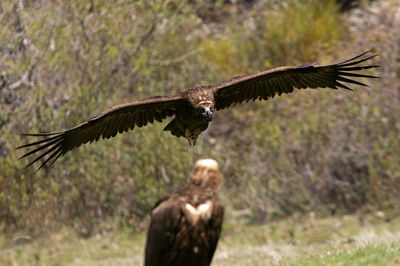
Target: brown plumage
[193, 109]
[185, 226]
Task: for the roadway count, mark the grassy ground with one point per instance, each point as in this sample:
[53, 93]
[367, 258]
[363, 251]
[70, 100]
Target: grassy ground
[347, 240]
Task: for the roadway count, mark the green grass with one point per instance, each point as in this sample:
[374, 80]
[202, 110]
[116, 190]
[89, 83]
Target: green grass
[346, 240]
[372, 254]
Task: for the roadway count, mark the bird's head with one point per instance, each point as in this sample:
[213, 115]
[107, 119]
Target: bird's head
[206, 173]
[205, 109]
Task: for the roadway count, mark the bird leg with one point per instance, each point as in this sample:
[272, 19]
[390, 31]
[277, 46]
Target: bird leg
[191, 137]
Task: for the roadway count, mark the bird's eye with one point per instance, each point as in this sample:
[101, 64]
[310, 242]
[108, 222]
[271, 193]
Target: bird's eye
[202, 110]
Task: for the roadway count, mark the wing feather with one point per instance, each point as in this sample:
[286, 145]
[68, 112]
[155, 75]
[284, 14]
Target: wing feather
[139, 122]
[351, 81]
[110, 127]
[56, 146]
[157, 116]
[341, 85]
[165, 226]
[355, 75]
[308, 81]
[302, 82]
[267, 84]
[56, 152]
[216, 227]
[282, 84]
[107, 124]
[39, 142]
[132, 121]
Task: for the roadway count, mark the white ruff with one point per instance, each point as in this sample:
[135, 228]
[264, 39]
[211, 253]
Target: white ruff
[203, 211]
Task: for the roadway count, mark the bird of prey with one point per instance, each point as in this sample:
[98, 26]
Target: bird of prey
[185, 226]
[193, 109]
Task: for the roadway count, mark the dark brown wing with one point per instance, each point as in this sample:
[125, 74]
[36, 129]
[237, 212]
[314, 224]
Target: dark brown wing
[164, 225]
[216, 222]
[266, 84]
[115, 120]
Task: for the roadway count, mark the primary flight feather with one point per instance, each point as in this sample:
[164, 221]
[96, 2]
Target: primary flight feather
[193, 109]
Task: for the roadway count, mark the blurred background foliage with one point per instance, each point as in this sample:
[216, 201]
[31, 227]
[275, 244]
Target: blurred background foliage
[323, 151]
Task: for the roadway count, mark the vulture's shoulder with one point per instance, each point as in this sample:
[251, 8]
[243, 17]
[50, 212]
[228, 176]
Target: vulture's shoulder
[166, 206]
[195, 195]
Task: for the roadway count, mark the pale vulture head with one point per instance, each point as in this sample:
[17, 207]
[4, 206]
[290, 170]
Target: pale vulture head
[206, 173]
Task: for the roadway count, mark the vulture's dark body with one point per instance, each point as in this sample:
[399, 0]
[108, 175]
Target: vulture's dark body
[189, 121]
[175, 237]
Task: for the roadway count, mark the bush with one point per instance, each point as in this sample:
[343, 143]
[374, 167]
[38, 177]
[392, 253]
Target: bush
[63, 61]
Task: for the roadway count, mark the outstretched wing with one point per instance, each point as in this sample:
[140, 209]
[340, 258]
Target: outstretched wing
[107, 124]
[267, 84]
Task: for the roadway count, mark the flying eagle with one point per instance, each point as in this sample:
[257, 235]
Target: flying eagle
[193, 109]
[185, 226]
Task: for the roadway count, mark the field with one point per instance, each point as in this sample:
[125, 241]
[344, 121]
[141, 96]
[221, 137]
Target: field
[346, 240]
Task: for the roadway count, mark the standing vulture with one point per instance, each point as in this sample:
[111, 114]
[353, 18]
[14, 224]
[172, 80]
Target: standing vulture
[193, 109]
[185, 226]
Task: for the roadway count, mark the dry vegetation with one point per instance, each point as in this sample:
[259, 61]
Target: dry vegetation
[323, 151]
[305, 240]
